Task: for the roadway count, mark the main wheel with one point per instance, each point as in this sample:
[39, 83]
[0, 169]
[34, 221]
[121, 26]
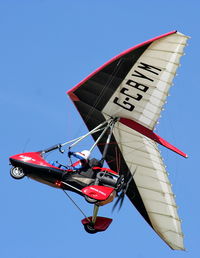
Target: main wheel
[90, 228]
[90, 200]
[17, 173]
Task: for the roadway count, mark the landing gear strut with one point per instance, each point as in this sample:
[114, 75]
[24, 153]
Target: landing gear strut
[96, 224]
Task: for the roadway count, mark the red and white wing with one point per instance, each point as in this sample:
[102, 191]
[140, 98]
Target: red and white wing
[133, 86]
[144, 161]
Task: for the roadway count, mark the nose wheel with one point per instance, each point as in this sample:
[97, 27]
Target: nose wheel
[89, 228]
[17, 173]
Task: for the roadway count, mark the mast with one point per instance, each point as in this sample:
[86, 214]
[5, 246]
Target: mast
[112, 124]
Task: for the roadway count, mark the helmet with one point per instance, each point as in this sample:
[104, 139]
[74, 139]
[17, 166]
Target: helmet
[85, 154]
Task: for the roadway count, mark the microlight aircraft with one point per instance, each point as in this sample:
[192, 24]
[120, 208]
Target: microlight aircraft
[120, 104]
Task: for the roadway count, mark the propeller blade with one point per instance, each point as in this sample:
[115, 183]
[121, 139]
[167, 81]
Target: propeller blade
[121, 202]
[120, 199]
[116, 203]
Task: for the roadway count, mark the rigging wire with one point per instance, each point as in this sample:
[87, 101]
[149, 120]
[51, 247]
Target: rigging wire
[76, 205]
[104, 89]
[102, 92]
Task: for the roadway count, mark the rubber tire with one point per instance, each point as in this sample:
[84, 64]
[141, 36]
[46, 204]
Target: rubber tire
[19, 175]
[90, 200]
[89, 228]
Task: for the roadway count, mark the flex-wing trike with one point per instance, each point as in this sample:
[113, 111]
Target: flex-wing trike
[98, 185]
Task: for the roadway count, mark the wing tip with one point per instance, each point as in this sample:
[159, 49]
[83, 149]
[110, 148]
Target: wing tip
[72, 96]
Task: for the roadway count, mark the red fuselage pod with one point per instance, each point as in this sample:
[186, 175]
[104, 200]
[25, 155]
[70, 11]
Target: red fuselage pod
[36, 167]
[34, 158]
[103, 194]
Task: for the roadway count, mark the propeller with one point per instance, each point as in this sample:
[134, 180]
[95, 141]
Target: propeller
[123, 188]
[121, 196]
[119, 200]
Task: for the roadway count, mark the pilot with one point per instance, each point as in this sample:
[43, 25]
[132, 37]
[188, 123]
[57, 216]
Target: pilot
[83, 159]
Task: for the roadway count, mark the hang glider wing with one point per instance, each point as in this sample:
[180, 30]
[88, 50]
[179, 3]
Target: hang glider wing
[144, 161]
[133, 86]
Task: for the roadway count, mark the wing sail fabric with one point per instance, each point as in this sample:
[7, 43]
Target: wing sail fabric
[134, 86]
[143, 92]
[144, 160]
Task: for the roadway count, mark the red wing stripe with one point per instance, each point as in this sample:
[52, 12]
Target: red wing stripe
[150, 134]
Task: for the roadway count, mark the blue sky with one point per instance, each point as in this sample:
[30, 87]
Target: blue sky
[47, 47]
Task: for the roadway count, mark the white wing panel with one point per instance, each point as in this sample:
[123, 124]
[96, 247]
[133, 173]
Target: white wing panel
[143, 92]
[145, 163]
